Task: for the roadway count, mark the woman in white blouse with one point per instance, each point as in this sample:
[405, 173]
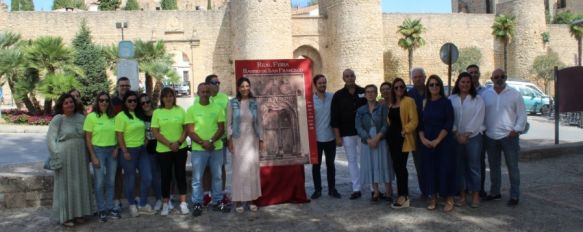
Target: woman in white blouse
[468, 126]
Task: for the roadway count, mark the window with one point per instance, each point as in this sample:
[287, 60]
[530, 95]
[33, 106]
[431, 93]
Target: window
[185, 76]
[561, 4]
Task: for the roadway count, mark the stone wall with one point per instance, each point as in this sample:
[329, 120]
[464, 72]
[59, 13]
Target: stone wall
[563, 43]
[354, 40]
[464, 30]
[180, 30]
[527, 43]
[22, 190]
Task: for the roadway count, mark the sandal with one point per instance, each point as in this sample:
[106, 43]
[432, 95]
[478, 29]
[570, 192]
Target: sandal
[253, 208]
[239, 209]
[449, 205]
[432, 204]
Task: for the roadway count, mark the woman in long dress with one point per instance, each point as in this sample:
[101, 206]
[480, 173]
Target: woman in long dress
[371, 124]
[244, 142]
[72, 192]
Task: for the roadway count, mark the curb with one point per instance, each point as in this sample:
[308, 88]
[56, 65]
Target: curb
[550, 151]
[11, 128]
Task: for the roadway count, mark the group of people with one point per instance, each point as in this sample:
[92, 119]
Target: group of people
[449, 137]
[132, 145]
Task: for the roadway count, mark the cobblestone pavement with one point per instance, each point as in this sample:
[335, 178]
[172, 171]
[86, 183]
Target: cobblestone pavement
[552, 190]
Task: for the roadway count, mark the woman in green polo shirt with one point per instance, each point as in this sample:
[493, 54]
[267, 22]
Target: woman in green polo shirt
[99, 127]
[170, 130]
[131, 133]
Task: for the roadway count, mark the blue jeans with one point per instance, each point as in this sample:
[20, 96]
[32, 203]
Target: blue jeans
[468, 164]
[511, 149]
[140, 160]
[104, 177]
[200, 159]
[156, 177]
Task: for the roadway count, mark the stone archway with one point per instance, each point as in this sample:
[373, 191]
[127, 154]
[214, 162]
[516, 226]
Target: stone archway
[309, 52]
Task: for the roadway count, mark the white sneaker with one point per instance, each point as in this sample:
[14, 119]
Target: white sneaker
[170, 205]
[165, 210]
[117, 204]
[147, 210]
[184, 208]
[158, 205]
[134, 211]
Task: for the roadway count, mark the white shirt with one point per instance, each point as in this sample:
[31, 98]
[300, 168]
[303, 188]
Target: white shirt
[469, 114]
[505, 112]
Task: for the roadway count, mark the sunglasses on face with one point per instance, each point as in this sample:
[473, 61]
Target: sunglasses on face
[131, 101]
[146, 102]
[434, 85]
[399, 87]
[124, 86]
[215, 82]
[103, 100]
[499, 77]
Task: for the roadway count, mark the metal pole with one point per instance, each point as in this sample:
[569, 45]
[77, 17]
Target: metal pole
[557, 112]
[449, 71]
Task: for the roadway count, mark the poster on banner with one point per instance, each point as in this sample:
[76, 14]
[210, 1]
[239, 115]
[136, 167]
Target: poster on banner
[284, 96]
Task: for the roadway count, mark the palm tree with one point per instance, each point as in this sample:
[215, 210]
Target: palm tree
[159, 70]
[150, 53]
[577, 32]
[503, 30]
[411, 31]
[13, 70]
[50, 56]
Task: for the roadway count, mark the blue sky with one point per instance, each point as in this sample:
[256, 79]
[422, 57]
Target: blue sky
[404, 6]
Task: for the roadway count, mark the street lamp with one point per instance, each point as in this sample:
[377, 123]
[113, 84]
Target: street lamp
[121, 25]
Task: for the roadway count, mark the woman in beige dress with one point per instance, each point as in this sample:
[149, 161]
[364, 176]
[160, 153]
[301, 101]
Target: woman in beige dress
[244, 142]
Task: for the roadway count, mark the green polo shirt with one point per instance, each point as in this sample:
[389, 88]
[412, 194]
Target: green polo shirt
[134, 130]
[102, 129]
[171, 123]
[205, 120]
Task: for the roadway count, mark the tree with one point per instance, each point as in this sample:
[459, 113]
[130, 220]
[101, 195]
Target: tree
[109, 5]
[90, 59]
[13, 70]
[209, 5]
[411, 31]
[543, 67]
[150, 54]
[22, 5]
[132, 5]
[77, 4]
[52, 86]
[503, 30]
[576, 31]
[50, 56]
[169, 5]
[467, 56]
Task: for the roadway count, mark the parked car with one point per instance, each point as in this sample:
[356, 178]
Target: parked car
[535, 100]
[182, 89]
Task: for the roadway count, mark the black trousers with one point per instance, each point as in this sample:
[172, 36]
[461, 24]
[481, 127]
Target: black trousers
[399, 164]
[168, 161]
[329, 149]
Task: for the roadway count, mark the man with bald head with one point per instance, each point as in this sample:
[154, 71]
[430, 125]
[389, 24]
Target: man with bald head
[345, 102]
[505, 120]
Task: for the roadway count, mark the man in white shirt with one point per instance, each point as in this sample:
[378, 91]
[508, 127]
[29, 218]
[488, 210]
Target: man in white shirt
[505, 119]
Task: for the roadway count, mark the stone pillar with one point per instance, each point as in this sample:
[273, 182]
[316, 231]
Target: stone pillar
[527, 42]
[261, 29]
[352, 38]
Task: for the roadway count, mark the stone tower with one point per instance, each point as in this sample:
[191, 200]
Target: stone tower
[261, 29]
[527, 42]
[353, 38]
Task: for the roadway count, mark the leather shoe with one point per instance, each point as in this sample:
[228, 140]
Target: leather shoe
[355, 195]
[513, 202]
[334, 194]
[316, 195]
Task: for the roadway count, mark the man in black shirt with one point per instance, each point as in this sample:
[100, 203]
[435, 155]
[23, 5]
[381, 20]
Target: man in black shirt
[342, 115]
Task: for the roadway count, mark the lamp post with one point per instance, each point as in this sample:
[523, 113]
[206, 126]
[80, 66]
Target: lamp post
[121, 25]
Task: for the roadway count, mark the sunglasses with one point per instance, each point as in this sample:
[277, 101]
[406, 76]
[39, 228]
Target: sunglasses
[102, 100]
[434, 85]
[499, 77]
[215, 82]
[146, 102]
[131, 101]
[399, 87]
[124, 86]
